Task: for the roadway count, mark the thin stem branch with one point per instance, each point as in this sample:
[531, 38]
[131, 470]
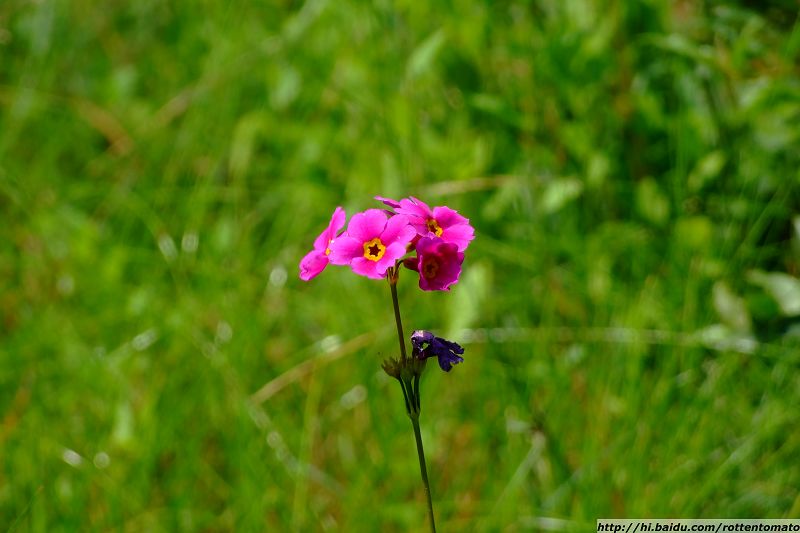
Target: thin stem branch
[410, 387]
[424, 471]
[398, 321]
[406, 397]
[416, 393]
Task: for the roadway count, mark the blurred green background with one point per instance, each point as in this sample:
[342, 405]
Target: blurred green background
[629, 307]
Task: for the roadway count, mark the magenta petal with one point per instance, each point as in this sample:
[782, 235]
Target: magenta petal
[434, 284]
[451, 270]
[336, 223]
[344, 249]
[423, 205]
[365, 267]
[383, 265]
[396, 231]
[394, 204]
[461, 235]
[426, 245]
[447, 217]
[426, 285]
[394, 251]
[312, 264]
[407, 234]
[415, 209]
[420, 227]
[367, 225]
[321, 242]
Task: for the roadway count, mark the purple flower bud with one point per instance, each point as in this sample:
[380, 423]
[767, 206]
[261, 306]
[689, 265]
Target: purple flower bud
[425, 344]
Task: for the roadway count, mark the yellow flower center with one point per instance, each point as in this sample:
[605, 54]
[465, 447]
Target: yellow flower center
[328, 249]
[430, 269]
[434, 227]
[374, 249]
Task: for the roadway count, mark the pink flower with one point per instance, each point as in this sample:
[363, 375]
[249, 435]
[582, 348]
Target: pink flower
[438, 264]
[373, 242]
[441, 222]
[317, 259]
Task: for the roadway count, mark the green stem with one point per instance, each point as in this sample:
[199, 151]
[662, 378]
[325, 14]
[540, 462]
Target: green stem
[416, 393]
[424, 471]
[393, 286]
[411, 393]
[406, 397]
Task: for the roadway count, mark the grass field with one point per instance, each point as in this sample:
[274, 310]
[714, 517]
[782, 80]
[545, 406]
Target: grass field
[629, 306]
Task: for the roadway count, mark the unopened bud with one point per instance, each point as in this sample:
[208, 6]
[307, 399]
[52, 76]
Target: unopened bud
[411, 263]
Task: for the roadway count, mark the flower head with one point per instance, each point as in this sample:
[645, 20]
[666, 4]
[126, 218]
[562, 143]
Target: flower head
[440, 221]
[425, 344]
[317, 259]
[372, 243]
[438, 263]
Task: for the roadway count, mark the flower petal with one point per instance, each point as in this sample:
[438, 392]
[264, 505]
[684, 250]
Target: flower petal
[420, 337]
[312, 264]
[460, 234]
[426, 245]
[365, 267]
[336, 223]
[393, 252]
[440, 345]
[367, 225]
[423, 205]
[397, 230]
[451, 270]
[446, 361]
[344, 249]
[415, 209]
[394, 204]
[447, 217]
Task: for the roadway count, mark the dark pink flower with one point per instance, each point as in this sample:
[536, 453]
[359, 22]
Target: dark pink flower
[438, 264]
[441, 221]
[317, 259]
[373, 242]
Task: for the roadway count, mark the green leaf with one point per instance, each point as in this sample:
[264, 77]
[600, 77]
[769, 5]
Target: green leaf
[730, 307]
[783, 288]
[651, 203]
[424, 55]
[707, 169]
[695, 232]
[559, 193]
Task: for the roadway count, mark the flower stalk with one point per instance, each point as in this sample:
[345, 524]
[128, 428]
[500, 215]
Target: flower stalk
[392, 275]
[408, 373]
[423, 470]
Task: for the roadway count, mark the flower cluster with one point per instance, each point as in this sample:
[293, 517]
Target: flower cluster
[430, 242]
[378, 239]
